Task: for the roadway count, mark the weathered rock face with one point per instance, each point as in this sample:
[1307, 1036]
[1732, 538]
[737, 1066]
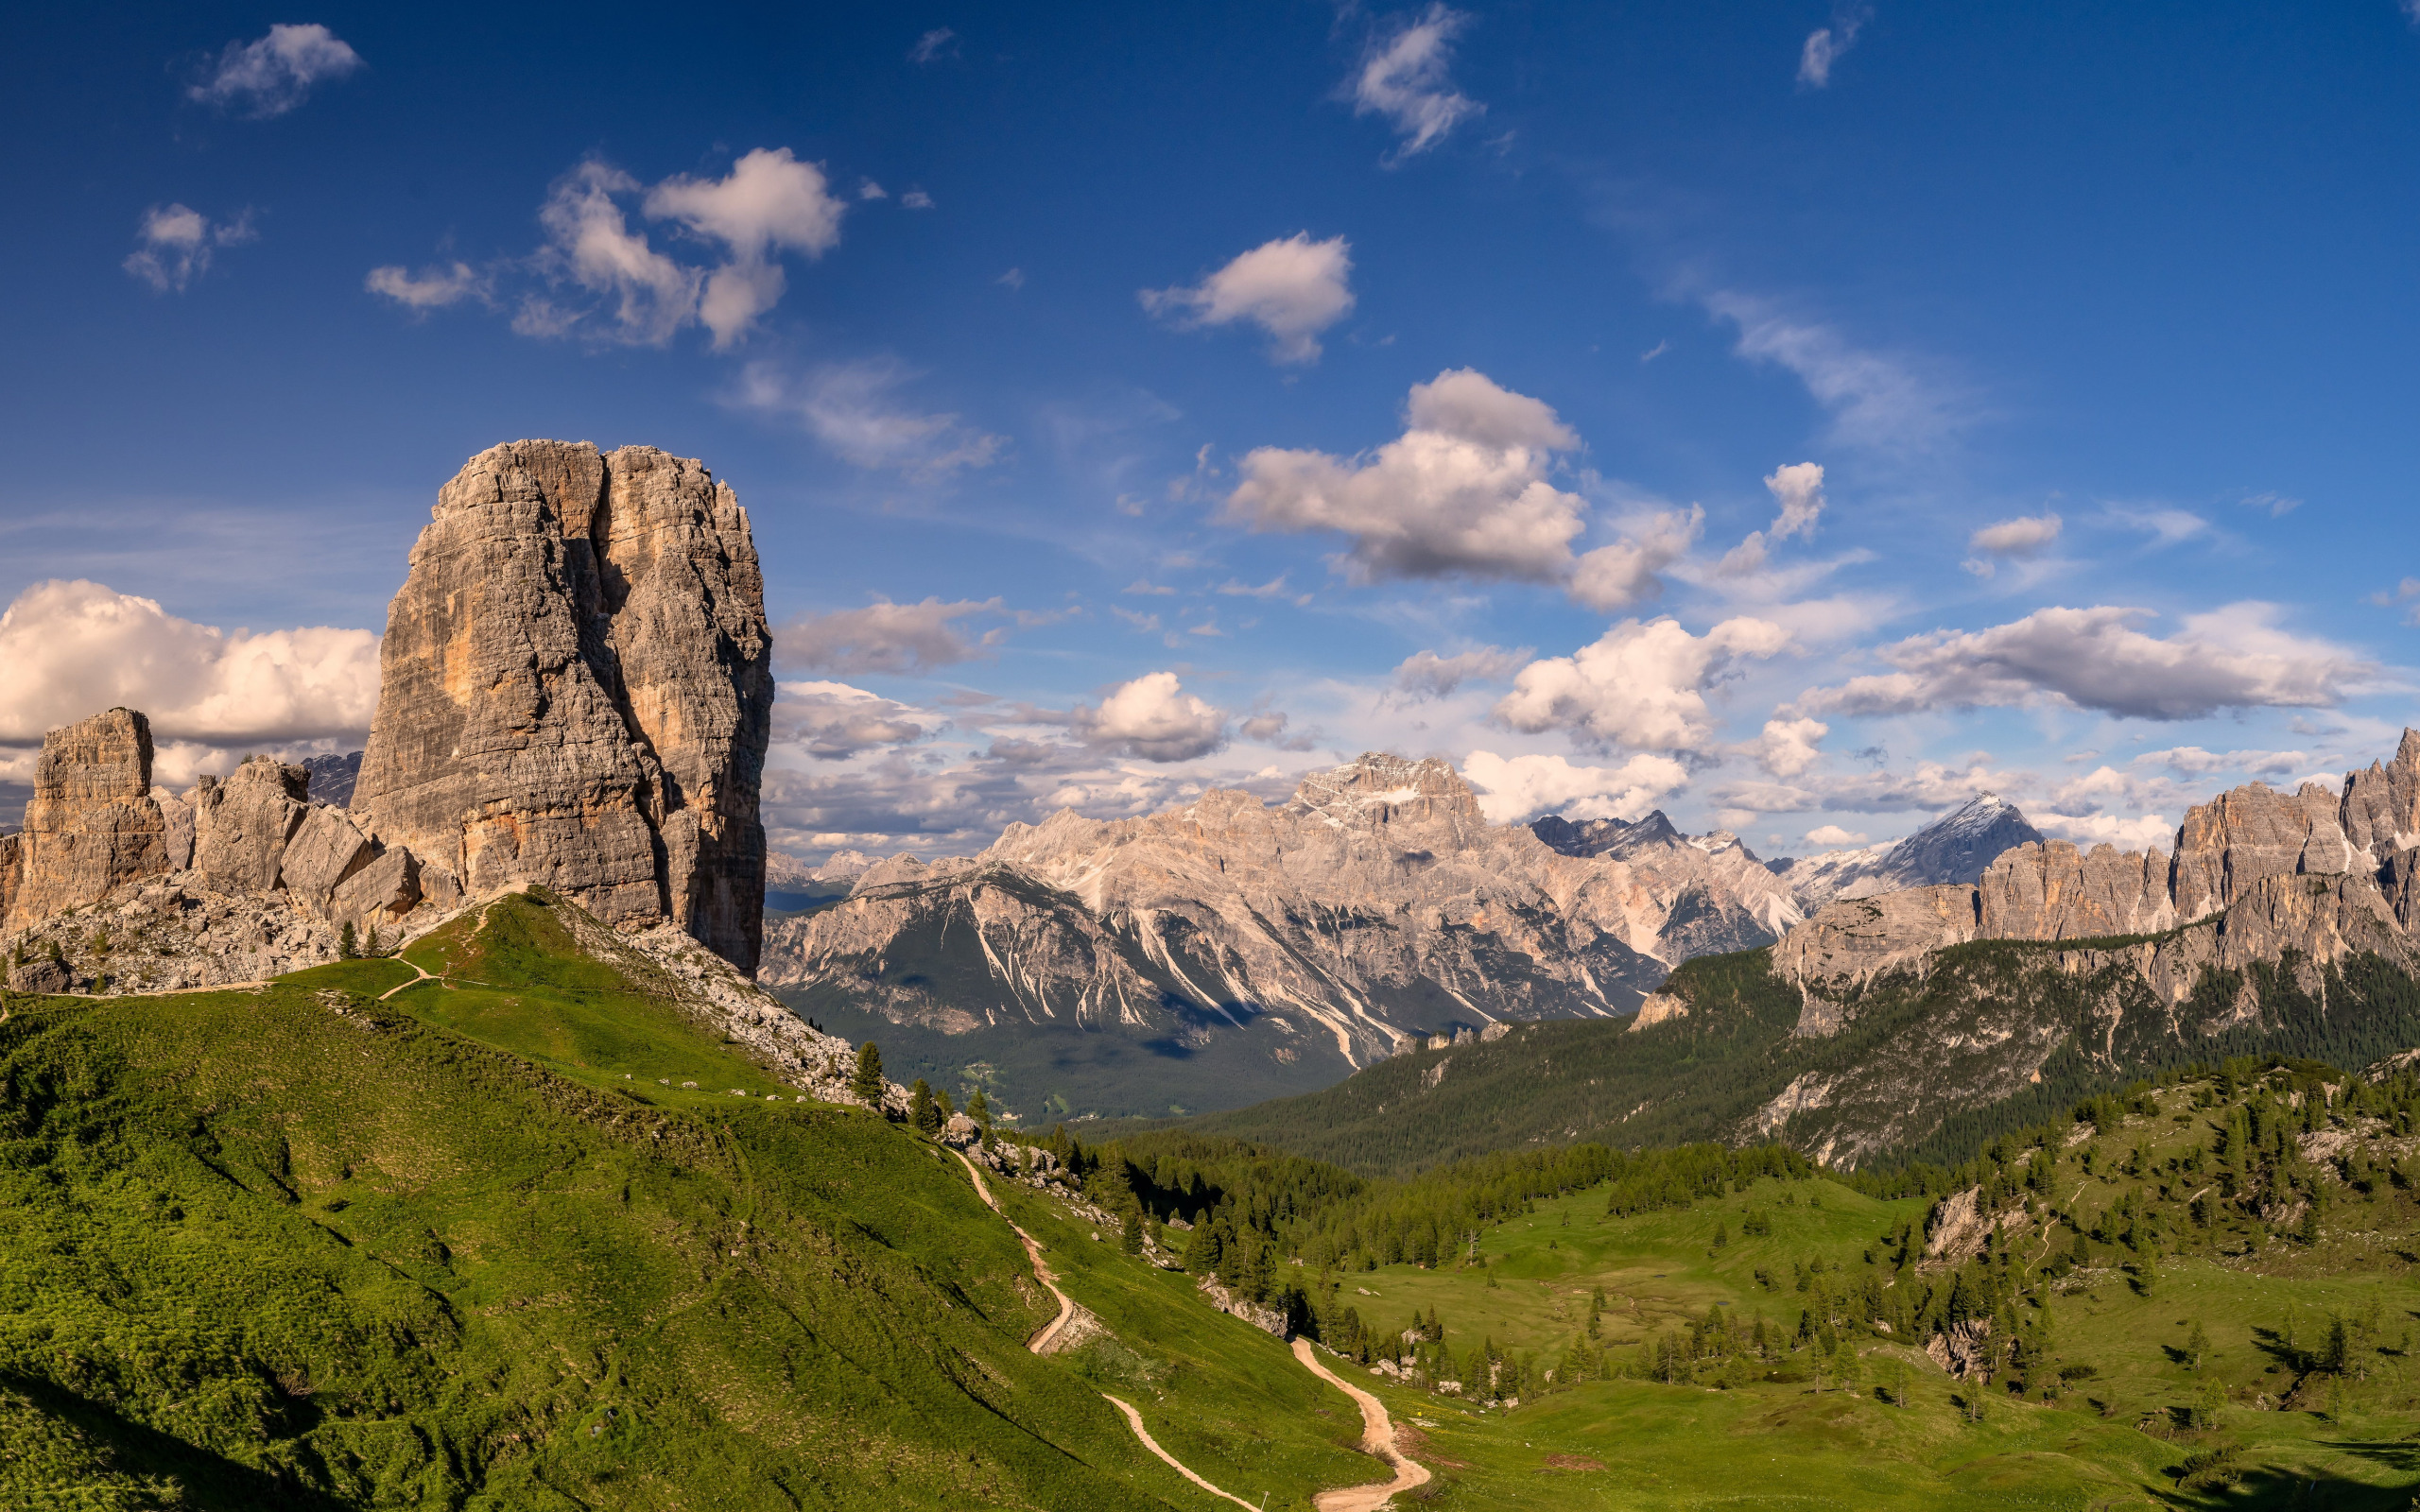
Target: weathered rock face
[577, 690]
[2254, 832]
[327, 849]
[241, 826]
[92, 825]
[2052, 891]
[1378, 899]
[1851, 941]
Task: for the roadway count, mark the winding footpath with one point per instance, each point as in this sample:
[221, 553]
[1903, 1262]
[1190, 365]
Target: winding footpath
[1377, 1437]
[1377, 1431]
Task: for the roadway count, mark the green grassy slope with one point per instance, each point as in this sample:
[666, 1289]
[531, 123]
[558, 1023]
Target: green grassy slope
[2220, 1271]
[295, 1249]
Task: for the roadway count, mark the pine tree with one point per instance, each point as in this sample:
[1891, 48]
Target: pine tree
[922, 1111]
[2197, 1346]
[865, 1086]
[1130, 1237]
[346, 947]
[979, 1108]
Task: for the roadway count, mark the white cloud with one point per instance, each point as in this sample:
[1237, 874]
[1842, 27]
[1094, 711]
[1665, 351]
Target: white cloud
[1877, 400]
[1788, 747]
[867, 189]
[916, 199]
[832, 721]
[1623, 574]
[74, 648]
[1798, 489]
[1641, 686]
[1523, 787]
[849, 407]
[1269, 728]
[432, 289]
[1293, 287]
[1402, 78]
[1145, 586]
[1832, 837]
[2405, 594]
[1153, 718]
[2137, 832]
[1274, 588]
[590, 244]
[174, 244]
[770, 202]
[2233, 658]
[276, 72]
[2020, 537]
[883, 637]
[2166, 526]
[1825, 44]
[1464, 489]
[2192, 760]
[932, 44]
[1427, 675]
[2279, 505]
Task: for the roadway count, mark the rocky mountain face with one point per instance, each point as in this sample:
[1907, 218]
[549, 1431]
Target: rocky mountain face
[91, 826]
[1956, 848]
[1320, 931]
[2269, 920]
[577, 690]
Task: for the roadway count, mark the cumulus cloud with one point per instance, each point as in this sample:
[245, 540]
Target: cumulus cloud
[1825, 45]
[1623, 576]
[276, 72]
[174, 244]
[431, 288]
[74, 648]
[1402, 77]
[770, 202]
[1789, 746]
[884, 637]
[1522, 787]
[606, 281]
[1464, 489]
[1798, 489]
[1641, 686]
[1293, 287]
[1427, 675]
[1269, 728]
[2233, 658]
[832, 721]
[1832, 837]
[852, 408]
[1153, 718]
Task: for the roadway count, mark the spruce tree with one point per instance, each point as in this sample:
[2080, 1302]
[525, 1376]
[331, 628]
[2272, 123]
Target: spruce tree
[346, 947]
[865, 1086]
[979, 1108]
[1131, 1239]
[922, 1111]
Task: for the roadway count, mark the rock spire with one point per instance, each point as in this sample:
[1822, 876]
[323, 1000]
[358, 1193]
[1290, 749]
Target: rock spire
[577, 690]
[92, 825]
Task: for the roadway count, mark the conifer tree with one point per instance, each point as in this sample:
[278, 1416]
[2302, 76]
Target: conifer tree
[865, 1086]
[922, 1113]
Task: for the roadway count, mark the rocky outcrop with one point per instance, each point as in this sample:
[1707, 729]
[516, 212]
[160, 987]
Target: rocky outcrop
[325, 850]
[1850, 942]
[2050, 890]
[241, 826]
[576, 691]
[2254, 832]
[2381, 808]
[93, 826]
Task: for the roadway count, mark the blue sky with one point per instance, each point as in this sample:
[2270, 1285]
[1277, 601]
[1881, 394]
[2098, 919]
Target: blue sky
[1794, 417]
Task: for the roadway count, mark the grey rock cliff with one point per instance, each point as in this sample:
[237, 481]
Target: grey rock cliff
[241, 826]
[92, 825]
[576, 691]
[2050, 890]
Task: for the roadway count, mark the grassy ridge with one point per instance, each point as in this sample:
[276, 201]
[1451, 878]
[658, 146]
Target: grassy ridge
[291, 1248]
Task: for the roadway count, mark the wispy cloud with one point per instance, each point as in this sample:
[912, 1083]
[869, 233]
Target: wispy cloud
[276, 72]
[852, 407]
[1402, 77]
[937, 42]
[1877, 400]
[174, 245]
[1825, 45]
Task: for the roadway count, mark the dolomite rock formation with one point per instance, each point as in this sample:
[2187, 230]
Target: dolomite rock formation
[577, 690]
[241, 826]
[2257, 874]
[93, 826]
[1376, 900]
[1957, 847]
[2050, 890]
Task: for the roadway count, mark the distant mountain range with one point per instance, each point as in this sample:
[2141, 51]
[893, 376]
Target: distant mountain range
[1233, 950]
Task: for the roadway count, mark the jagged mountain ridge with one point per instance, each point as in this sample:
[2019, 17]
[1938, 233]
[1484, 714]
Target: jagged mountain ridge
[1376, 900]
